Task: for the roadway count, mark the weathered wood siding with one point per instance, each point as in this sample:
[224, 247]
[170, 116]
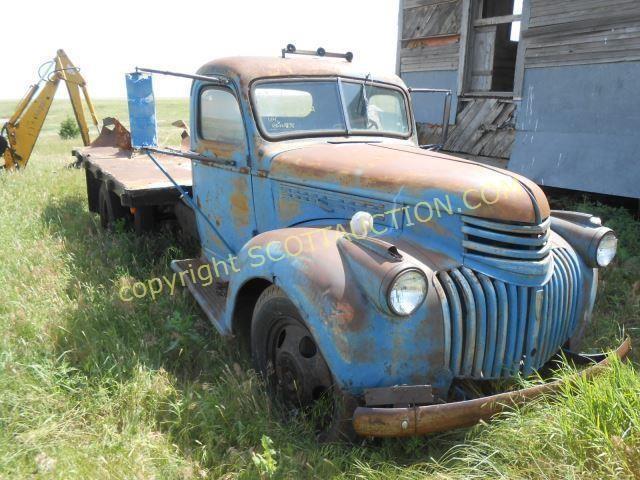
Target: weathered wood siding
[582, 32]
[577, 121]
[484, 127]
[430, 35]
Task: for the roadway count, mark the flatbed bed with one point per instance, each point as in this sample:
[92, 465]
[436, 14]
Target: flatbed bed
[125, 184]
[134, 178]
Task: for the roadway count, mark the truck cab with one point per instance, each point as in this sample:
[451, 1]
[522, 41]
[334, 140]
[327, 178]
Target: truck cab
[271, 108]
[359, 266]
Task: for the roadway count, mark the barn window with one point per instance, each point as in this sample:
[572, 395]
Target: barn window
[493, 37]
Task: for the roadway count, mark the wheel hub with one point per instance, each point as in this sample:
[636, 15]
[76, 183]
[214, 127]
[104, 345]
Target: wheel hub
[301, 374]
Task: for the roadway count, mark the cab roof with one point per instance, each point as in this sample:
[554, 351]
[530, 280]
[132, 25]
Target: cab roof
[247, 69]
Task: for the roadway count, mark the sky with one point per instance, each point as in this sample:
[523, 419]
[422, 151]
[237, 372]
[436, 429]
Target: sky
[108, 39]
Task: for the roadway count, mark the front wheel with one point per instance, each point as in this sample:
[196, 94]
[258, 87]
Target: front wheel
[297, 376]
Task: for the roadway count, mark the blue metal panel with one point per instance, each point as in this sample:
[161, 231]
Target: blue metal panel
[510, 354]
[549, 312]
[457, 334]
[577, 281]
[523, 304]
[428, 107]
[577, 128]
[565, 300]
[568, 297]
[142, 110]
[469, 323]
[531, 337]
[502, 237]
[544, 326]
[225, 195]
[446, 327]
[503, 323]
[492, 325]
[557, 307]
[480, 305]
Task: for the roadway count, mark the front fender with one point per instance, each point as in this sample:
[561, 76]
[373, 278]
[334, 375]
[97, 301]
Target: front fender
[333, 283]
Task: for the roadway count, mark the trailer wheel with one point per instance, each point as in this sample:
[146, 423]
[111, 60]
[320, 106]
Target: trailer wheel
[297, 376]
[109, 208]
[143, 220]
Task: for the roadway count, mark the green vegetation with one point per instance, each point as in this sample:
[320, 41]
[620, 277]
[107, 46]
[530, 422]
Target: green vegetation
[93, 387]
[69, 129]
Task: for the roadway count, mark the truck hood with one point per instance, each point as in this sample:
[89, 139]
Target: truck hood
[408, 175]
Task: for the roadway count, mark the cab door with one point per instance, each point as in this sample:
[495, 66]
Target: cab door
[222, 192]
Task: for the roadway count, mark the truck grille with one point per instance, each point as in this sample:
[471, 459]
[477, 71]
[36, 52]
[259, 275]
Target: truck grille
[495, 329]
[487, 238]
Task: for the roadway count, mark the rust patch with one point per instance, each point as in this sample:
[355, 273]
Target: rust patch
[343, 314]
[433, 41]
[218, 149]
[414, 171]
[288, 208]
[240, 203]
[113, 134]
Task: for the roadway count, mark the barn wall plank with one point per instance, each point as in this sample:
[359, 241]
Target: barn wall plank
[582, 32]
[427, 58]
[431, 20]
[430, 35]
[408, 4]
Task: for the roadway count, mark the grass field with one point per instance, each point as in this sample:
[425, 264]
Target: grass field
[93, 387]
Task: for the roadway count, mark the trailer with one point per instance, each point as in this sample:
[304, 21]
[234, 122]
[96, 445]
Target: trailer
[124, 184]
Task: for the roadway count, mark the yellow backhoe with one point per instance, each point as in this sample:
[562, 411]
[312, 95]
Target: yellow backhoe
[20, 133]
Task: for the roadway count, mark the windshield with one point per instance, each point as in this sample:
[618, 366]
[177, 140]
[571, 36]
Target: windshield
[308, 107]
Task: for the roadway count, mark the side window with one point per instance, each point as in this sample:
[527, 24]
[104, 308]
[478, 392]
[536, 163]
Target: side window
[493, 41]
[220, 118]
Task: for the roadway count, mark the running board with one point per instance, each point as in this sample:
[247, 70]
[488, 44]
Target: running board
[211, 298]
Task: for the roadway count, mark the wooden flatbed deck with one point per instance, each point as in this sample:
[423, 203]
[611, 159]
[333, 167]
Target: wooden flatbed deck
[136, 179]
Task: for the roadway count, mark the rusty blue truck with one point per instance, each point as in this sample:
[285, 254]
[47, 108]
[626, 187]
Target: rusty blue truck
[405, 285]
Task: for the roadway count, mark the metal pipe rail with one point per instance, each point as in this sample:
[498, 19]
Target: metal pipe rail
[206, 78]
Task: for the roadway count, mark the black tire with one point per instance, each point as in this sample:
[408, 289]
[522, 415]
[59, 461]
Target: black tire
[297, 376]
[110, 209]
[144, 220]
[4, 144]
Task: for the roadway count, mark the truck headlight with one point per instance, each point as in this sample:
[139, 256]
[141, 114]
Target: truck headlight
[607, 247]
[407, 292]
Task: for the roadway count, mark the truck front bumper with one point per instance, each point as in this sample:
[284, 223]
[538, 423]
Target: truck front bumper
[422, 420]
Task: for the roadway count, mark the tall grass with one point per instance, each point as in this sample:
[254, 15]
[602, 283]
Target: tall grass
[94, 387]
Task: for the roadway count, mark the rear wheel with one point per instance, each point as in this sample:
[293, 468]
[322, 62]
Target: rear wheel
[143, 220]
[296, 373]
[110, 209]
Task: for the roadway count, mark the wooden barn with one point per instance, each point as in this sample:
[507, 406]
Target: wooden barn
[545, 88]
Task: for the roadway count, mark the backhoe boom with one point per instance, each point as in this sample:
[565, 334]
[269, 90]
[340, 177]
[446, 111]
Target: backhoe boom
[24, 126]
